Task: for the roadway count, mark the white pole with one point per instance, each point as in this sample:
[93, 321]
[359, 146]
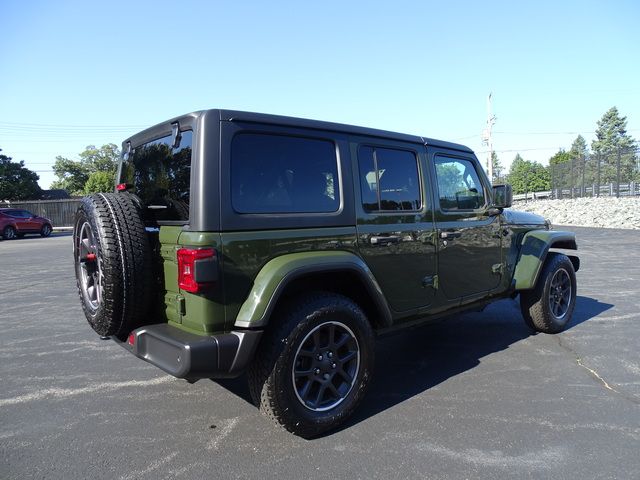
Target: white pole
[491, 119]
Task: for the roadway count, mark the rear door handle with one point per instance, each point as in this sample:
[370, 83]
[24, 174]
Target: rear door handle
[450, 235]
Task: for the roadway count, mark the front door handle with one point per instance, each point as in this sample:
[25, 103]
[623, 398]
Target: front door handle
[450, 235]
[384, 240]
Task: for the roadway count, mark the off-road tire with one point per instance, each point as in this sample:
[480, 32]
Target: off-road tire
[536, 305]
[123, 262]
[271, 374]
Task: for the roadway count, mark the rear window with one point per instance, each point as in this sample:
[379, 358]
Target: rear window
[283, 174]
[161, 177]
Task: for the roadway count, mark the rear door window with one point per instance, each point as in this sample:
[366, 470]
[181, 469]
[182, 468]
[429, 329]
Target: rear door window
[389, 179]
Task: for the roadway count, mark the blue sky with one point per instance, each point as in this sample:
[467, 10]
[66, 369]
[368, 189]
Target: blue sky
[75, 73]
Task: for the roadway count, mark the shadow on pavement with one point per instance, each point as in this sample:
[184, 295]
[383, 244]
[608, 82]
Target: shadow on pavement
[415, 360]
[586, 309]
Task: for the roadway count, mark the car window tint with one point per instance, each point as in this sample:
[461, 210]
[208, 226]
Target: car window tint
[389, 179]
[160, 174]
[459, 186]
[283, 174]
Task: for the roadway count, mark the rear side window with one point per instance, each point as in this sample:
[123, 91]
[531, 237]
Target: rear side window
[459, 186]
[161, 176]
[283, 174]
[19, 213]
[389, 179]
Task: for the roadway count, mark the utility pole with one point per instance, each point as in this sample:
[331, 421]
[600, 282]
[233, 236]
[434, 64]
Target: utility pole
[486, 137]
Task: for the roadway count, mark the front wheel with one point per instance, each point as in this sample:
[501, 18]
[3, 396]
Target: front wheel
[46, 230]
[548, 308]
[312, 370]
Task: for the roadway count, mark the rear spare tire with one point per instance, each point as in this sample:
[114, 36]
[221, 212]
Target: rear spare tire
[113, 263]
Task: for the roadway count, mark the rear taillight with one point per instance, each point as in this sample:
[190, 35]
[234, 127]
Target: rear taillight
[123, 187]
[197, 269]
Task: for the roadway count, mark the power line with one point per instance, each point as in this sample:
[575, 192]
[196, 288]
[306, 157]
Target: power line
[519, 150]
[557, 133]
[50, 126]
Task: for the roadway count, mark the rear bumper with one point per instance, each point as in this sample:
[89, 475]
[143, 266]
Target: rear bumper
[186, 355]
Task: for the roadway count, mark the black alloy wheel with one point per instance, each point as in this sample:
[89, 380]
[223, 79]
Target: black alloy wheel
[326, 366]
[314, 363]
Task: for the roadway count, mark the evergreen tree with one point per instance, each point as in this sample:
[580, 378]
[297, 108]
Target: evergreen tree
[613, 142]
[560, 165]
[583, 173]
[497, 168]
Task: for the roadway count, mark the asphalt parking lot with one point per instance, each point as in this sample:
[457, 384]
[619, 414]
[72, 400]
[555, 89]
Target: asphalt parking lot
[475, 397]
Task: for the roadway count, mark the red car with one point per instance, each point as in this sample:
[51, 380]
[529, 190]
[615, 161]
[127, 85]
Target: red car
[15, 222]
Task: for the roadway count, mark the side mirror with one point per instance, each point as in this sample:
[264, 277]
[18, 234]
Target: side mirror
[502, 196]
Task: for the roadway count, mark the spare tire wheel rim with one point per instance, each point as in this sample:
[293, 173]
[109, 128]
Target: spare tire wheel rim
[90, 268]
[560, 293]
[326, 366]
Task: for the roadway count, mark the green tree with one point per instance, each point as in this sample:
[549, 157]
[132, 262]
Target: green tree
[526, 176]
[579, 148]
[613, 142]
[580, 156]
[560, 168]
[497, 168]
[16, 181]
[99, 182]
[73, 175]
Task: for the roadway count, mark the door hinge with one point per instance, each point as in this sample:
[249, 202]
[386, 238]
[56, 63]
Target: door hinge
[181, 307]
[430, 281]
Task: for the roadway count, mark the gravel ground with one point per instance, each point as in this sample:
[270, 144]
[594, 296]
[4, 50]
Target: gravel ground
[607, 212]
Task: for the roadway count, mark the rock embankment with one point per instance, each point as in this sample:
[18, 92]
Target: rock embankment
[606, 212]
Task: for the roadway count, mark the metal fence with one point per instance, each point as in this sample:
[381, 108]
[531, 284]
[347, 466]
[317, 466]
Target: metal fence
[60, 212]
[615, 173]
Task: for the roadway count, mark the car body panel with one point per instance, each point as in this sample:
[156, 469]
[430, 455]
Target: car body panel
[274, 276]
[533, 250]
[247, 254]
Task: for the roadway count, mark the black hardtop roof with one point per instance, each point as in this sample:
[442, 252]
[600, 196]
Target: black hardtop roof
[252, 117]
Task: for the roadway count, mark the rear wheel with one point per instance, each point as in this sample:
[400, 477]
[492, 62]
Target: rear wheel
[312, 370]
[548, 308]
[9, 233]
[112, 262]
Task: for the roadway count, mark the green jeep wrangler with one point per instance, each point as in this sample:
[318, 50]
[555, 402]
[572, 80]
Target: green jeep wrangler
[242, 242]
